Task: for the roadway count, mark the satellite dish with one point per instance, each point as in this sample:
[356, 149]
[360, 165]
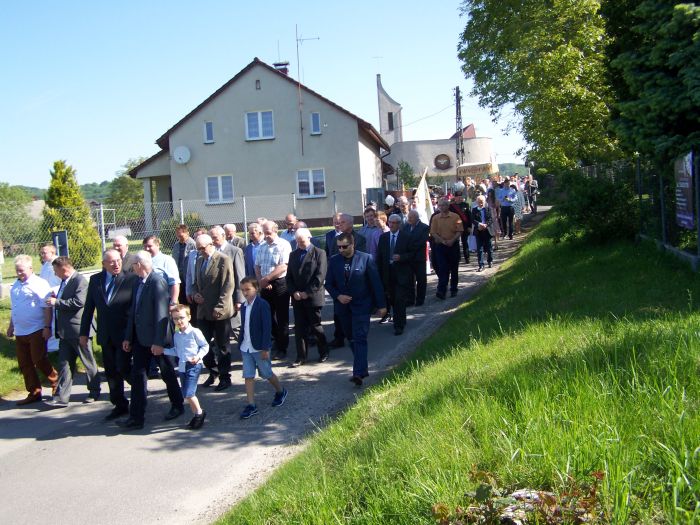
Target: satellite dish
[181, 155]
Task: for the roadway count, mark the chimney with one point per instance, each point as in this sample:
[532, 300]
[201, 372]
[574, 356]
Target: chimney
[282, 67]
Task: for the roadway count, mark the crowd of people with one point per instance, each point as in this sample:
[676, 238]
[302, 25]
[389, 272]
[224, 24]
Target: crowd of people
[175, 316]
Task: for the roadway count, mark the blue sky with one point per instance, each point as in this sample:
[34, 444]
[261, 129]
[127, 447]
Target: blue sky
[95, 83]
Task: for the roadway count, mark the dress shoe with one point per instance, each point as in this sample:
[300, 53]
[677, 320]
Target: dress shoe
[31, 398]
[279, 356]
[337, 343]
[132, 424]
[323, 358]
[386, 319]
[490, 265]
[117, 412]
[174, 412]
[91, 398]
[209, 380]
[398, 331]
[296, 364]
[453, 293]
[224, 383]
[56, 403]
[357, 380]
[440, 295]
[198, 420]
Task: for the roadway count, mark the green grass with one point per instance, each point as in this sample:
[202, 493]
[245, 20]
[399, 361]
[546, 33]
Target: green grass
[573, 359]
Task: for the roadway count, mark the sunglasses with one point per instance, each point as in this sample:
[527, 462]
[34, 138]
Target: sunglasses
[343, 246]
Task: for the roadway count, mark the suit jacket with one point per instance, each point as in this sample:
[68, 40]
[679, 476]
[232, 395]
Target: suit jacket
[332, 248]
[69, 307]
[249, 256]
[238, 262]
[476, 219]
[148, 317]
[364, 284]
[260, 324]
[417, 239]
[308, 275]
[399, 271]
[216, 285]
[112, 315]
[238, 242]
[128, 262]
[187, 248]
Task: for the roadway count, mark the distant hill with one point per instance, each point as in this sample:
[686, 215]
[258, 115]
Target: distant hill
[511, 167]
[37, 193]
[97, 191]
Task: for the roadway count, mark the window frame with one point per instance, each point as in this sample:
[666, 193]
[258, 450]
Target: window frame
[310, 173]
[311, 126]
[205, 135]
[259, 114]
[219, 179]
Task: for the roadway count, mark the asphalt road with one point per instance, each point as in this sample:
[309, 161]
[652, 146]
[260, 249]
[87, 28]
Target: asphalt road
[70, 466]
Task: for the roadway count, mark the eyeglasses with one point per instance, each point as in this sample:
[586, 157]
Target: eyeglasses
[343, 246]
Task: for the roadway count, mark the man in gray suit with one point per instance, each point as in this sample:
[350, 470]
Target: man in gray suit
[147, 333]
[68, 306]
[232, 238]
[217, 293]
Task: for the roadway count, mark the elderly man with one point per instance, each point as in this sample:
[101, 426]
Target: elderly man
[418, 237]
[255, 239]
[345, 225]
[482, 219]
[288, 234]
[121, 244]
[306, 274]
[189, 277]
[356, 288]
[109, 293]
[181, 249]
[446, 228]
[214, 287]
[68, 306]
[147, 333]
[271, 269]
[232, 238]
[47, 254]
[394, 254]
[30, 324]
[461, 208]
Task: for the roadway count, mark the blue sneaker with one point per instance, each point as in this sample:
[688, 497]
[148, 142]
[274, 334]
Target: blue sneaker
[249, 411]
[280, 398]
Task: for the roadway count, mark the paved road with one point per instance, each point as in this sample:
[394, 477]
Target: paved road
[70, 466]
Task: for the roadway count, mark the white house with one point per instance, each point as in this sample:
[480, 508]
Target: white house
[265, 136]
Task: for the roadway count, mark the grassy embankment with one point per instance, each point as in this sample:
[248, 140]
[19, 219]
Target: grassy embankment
[572, 360]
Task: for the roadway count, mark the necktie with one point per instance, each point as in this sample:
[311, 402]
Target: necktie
[483, 215]
[301, 256]
[392, 246]
[60, 288]
[139, 291]
[110, 286]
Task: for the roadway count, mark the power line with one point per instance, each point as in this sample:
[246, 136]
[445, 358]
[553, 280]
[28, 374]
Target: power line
[429, 116]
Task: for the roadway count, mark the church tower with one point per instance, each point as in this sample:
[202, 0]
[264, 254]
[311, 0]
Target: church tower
[389, 115]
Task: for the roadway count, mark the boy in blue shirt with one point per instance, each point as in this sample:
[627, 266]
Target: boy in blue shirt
[255, 341]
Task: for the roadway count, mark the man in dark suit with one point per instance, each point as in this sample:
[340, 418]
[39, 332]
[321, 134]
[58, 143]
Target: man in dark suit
[306, 273]
[393, 257]
[68, 304]
[417, 237]
[147, 333]
[121, 244]
[109, 292]
[214, 287]
[356, 288]
[181, 249]
[481, 217]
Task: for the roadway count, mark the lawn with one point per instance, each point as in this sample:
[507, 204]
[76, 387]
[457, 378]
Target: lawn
[575, 368]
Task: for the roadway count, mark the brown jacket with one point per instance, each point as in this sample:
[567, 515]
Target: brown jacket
[216, 285]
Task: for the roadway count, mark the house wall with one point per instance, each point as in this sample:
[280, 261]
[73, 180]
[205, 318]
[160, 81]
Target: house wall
[267, 167]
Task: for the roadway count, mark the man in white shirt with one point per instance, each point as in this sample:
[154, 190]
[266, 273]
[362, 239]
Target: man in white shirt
[30, 324]
[48, 254]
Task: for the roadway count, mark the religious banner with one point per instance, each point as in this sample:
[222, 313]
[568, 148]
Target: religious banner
[685, 211]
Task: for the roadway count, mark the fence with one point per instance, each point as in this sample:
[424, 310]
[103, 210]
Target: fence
[668, 200]
[22, 231]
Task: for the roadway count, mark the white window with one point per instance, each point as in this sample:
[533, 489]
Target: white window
[219, 189]
[315, 123]
[259, 125]
[208, 132]
[311, 183]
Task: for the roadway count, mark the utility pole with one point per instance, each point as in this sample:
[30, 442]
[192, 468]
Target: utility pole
[459, 146]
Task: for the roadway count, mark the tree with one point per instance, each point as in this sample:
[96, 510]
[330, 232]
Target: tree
[406, 175]
[544, 61]
[16, 224]
[126, 193]
[653, 55]
[66, 210]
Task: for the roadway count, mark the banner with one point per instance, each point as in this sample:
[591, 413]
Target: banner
[424, 205]
[685, 212]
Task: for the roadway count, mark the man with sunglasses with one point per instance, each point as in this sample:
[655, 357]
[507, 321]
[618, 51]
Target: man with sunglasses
[356, 288]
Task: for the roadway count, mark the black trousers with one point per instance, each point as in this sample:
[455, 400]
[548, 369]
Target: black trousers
[307, 322]
[278, 297]
[218, 334]
[419, 283]
[483, 244]
[447, 266]
[398, 293]
[168, 366]
[117, 364]
[465, 243]
[507, 215]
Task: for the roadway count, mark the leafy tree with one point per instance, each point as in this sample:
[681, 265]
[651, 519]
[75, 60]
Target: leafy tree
[126, 193]
[15, 222]
[544, 61]
[653, 54]
[66, 210]
[406, 175]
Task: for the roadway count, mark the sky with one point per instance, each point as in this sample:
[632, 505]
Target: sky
[96, 83]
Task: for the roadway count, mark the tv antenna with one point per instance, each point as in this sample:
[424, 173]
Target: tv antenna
[300, 40]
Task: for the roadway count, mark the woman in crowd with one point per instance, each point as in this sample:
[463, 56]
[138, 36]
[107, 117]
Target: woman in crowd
[495, 207]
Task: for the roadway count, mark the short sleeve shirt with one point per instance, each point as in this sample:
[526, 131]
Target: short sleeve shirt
[28, 302]
[446, 226]
[166, 266]
[269, 256]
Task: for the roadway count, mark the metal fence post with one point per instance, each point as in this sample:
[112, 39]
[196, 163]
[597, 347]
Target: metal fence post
[294, 203]
[102, 227]
[182, 212]
[335, 203]
[639, 192]
[245, 221]
[695, 177]
[662, 204]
